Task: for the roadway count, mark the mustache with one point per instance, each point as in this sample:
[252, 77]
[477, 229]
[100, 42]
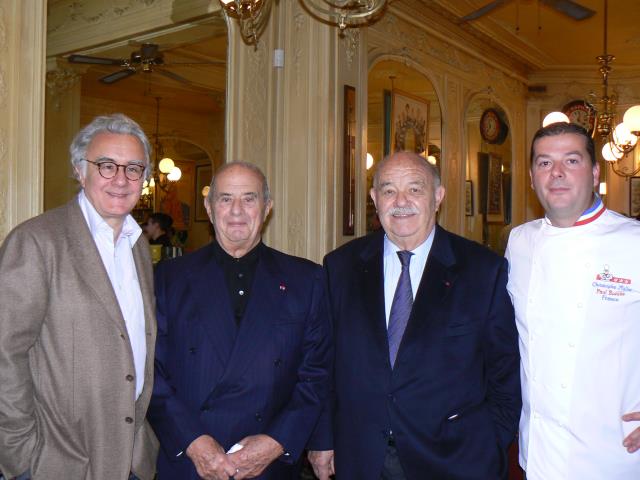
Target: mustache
[403, 211]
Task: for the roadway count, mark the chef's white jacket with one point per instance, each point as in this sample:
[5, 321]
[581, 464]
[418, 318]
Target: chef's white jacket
[576, 293]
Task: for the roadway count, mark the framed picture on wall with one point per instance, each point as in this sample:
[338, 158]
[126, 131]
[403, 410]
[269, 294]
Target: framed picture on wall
[349, 162]
[495, 203]
[634, 197]
[203, 179]
[409, 122]
[468, 198]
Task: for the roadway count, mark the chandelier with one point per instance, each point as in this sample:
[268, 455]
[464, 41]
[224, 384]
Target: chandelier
[252, 15]
[165, 170]
[345, 13]
[619, 140]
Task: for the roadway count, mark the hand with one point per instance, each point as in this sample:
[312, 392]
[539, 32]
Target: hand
[632, 442]
[322, 463]
[257, 452]
[210, 459]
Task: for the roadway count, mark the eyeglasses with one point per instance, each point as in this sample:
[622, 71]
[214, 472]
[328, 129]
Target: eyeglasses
[108, 170]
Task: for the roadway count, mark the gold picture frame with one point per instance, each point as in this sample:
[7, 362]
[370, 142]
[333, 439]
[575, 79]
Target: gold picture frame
[495, 200]
[409, 123]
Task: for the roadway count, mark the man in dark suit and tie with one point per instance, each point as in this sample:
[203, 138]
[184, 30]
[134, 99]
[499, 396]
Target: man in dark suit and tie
[426, 348]
[243, 352]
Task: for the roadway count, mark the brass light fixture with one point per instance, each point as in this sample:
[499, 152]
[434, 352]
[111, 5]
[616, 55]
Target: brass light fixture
[165, 169]
[345, 13]
[620, 139]
[252, 15]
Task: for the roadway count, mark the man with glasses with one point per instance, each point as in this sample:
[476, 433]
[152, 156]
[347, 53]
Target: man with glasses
[77, 322]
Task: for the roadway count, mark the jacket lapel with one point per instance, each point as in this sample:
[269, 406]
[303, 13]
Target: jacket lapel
[142, 259]
[265, 302]
[207, 285]
[371, 275]
[89, 264]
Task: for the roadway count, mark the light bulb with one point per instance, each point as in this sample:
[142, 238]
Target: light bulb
[205, 190]
[432, 160]
[632, 119]
[174, 175]
[166, 165]
[611, 153]
[369, 160]
[623, 136]
[555, 117]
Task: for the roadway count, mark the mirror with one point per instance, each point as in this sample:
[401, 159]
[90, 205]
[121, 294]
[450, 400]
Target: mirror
[403, 115]
[488, 174]
[189, 78]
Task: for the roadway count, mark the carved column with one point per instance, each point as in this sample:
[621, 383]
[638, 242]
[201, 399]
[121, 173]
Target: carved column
[283, 119]
[22, 67]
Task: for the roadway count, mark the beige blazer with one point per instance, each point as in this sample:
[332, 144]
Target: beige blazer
[67, 395]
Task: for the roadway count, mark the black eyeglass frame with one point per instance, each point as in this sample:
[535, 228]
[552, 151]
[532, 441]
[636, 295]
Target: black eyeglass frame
[118, 166]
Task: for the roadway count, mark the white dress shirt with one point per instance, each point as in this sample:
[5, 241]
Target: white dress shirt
[393, 267]
[118, 261]
[576, 293]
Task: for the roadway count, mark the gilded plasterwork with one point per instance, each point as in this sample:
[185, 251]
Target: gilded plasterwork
[91, 12]
[60, 82]
[350, 41]
[256, 90]
[295, 232]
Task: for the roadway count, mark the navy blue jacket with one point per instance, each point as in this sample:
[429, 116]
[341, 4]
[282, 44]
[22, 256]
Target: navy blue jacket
[269, 375]
[453, 398]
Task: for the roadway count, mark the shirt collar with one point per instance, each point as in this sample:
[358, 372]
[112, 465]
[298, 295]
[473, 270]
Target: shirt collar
[591, 213]
[223, 258]
[596, 209]
[421, 250]
[130, 228]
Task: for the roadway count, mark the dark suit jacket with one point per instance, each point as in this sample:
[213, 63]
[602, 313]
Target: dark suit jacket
[269, 375]
[453, 398]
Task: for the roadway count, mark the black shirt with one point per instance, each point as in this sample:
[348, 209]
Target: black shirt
[164, 240]
[238, 274]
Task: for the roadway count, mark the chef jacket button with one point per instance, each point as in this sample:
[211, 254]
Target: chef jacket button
[563, 385]
[579, 304]
[128, 419]
[571, 344]
[258, 417]
[129, 378]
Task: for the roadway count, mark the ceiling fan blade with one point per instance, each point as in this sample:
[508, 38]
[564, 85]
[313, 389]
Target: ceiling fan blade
[116, 76]
[194, 64]
[570, 8]
[94, 60]
[180, 78]
[484, 10]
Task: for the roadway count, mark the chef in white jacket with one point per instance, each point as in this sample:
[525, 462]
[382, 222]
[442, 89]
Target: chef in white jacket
[574, 278]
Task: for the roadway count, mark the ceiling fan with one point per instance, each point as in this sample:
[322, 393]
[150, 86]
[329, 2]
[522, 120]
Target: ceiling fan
[147, 59]
[567, 7]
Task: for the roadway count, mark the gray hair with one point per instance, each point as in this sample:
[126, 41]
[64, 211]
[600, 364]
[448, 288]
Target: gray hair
[117, 123]
[431, 170]
[266, 194]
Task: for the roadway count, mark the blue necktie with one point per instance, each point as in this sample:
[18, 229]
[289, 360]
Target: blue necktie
[400, 307]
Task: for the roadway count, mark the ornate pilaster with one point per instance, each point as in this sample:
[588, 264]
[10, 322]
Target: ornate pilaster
[21, 110]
